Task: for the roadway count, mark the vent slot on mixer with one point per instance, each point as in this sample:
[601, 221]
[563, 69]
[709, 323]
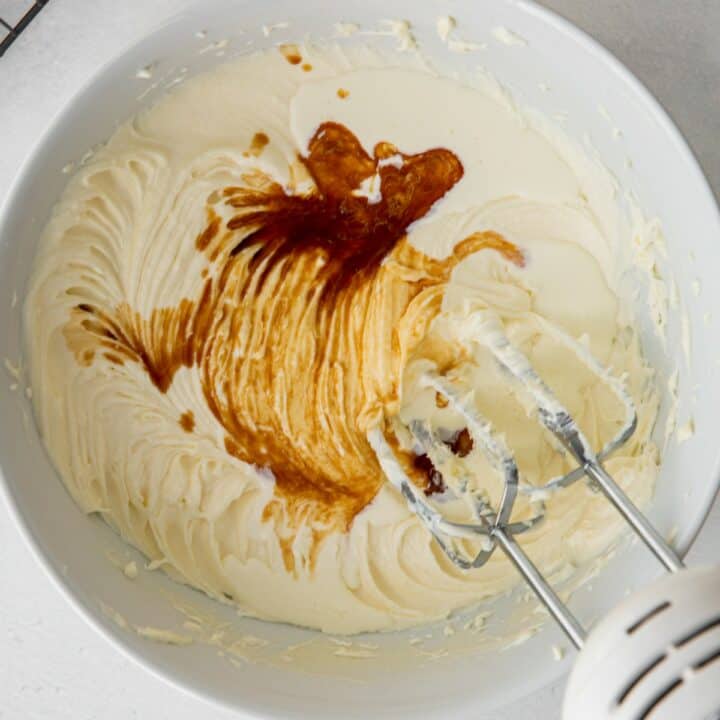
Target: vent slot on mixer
[638, 678]
[706, 661]
[647, 617]
[659, 698]
[698, 631]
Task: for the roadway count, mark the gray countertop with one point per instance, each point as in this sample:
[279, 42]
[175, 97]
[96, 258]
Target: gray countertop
[53, 665]
[673, 46]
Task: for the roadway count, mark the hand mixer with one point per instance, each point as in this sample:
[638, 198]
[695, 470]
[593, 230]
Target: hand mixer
[657, 655]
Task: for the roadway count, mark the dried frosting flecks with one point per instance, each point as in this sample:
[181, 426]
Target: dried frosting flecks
[246, 279]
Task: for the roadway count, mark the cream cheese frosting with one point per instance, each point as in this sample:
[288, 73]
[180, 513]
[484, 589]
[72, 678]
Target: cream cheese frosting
[244, 281]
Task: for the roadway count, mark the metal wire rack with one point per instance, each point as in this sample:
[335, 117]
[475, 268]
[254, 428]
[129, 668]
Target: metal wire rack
[12, 25]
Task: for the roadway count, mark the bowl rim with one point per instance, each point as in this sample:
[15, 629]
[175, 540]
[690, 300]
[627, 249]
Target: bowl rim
[552, 19]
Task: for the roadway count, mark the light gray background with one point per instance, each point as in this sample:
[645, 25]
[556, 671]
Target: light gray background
[52, 665]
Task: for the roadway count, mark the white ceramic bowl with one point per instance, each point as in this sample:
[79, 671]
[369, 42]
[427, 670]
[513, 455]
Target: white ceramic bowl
[663, 174]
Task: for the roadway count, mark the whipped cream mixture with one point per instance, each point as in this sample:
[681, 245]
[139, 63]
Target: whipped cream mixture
[247, 279]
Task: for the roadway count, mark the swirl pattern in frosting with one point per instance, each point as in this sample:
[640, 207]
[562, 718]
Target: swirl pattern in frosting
[317, 290]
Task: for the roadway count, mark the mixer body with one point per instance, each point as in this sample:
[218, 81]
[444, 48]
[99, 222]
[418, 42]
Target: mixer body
[655, 657]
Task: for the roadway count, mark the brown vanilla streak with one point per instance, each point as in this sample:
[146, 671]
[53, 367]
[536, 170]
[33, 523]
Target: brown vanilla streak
[294, 333]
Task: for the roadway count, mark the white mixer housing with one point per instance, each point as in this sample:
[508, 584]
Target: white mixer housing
[655, 657]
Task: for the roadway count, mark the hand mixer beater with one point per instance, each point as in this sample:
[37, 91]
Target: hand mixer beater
[657, 655]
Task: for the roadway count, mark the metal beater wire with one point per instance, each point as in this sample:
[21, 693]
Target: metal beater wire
[495, 528]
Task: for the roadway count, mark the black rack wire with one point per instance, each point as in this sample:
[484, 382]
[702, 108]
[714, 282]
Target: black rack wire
[14, 31]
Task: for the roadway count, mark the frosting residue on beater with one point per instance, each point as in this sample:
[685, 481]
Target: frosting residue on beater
[244, 280]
